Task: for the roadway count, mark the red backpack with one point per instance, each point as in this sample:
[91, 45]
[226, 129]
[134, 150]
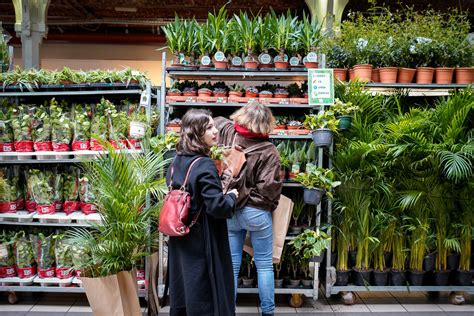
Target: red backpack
[176, 205]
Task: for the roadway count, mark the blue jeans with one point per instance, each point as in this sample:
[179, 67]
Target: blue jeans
[259, 223]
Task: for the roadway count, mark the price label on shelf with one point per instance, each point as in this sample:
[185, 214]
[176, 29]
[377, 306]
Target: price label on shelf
[321, 86]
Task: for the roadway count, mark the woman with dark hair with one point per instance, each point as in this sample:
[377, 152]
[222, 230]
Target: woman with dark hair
[200, 265]
[259, 193]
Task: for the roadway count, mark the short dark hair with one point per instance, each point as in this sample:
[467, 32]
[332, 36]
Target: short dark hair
[193, 127]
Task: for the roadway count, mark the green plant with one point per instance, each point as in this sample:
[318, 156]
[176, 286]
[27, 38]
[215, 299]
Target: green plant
[217, 152]
[7, 256]
[42, 186]
[310, 243]
[100, 119]
[465, 228]
[119, 123]
[81, 121]
[317, 177]
[309, 35]
[323, 119]
[6, 131]
[21, 123]
[175, 37]
[43, 250]
[218, 30]
[62, 251]
[342, 108]
[248, 264]
[297, 210]
[8, 184]
[284, 31]
[164, 143]
[61, 125]
[246, 29]
[123, 237]
[41, 125]
[70, 184]
[23, 251]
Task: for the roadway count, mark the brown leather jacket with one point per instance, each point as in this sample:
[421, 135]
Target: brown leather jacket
[263, 185]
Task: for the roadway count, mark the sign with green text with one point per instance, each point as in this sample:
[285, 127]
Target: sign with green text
[321, 86]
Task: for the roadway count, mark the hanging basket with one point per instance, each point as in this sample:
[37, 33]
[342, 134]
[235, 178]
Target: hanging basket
[344, 122]
[322, 137]
[313, 196]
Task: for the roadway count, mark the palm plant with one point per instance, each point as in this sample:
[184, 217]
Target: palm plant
[246, 29]
[123, 237]
[284, 32]
[264, 34]
[175, 38]
[309, 35]
[218, 30]
[203, 44]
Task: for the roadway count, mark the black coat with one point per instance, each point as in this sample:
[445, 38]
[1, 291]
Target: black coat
[201, 280]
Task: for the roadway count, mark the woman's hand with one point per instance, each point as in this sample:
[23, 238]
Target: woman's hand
[234, 191]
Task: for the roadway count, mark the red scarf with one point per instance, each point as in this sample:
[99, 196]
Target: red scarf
[248, 134]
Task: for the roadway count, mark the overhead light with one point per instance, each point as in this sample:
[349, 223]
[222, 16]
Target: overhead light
[125, 9]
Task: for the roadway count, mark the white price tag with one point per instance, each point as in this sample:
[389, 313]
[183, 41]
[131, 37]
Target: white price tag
[205, 60]
[219, 56]
[137, 129]
[144, 99]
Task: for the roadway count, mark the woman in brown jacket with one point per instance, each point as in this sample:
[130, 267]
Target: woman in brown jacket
[259, 193]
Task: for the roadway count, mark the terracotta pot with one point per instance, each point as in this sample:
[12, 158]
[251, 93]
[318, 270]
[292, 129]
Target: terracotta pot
[464, 75]
[173, 94]
[444, 75]
[264, 95]
[204, 94]
[220, 95]
[406, 75]
[363, 72]
[251, 65]
[282, 126]
[311, 65]
[388, 74]
[340, 73]
[424, 75]
[190, 94]
[294, 127]
[281, 64]
[265, 66]
[235, 94]
[251, 94]
[375, 77]
[351, 74]
[220, 64]
[280, 95]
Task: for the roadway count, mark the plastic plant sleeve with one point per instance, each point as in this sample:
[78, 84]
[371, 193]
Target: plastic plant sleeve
[41, 126]
[7, 255]
[64, 265]
[43, 251]
[43, 190]
[61, 133]
[8, 189]
[71, 190]
[82, 115]
[24, 258]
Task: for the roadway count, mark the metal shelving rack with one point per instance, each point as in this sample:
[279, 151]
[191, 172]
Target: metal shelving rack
[13, 158]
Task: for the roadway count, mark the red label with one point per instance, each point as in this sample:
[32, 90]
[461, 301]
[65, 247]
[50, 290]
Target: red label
[88, 208]
[134, 144]
[64, 273]
[24, 146]
[8, 207]
[6, 147]
[30, 206]
[80, 145]
[43, 146]
[7, 271]
[46, 273]
[46, 209]
[58, 205]
[140, 275]
[118, 145]
[20, 204]
[60, 147]
[78, 274]
[95, 145]
[26, 272]
[71, 206]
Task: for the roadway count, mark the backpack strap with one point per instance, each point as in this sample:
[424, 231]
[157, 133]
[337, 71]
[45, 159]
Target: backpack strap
[183, 186]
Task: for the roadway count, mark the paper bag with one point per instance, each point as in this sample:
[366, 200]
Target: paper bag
[281, 220]
[114, 295]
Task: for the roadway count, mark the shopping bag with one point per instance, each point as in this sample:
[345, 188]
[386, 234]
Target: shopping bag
[113, 295]
[281, 220]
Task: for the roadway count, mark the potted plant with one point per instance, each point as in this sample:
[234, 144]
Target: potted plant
[463, 276]
[236, 90]
[21, 121]
[251, 92]
[205, 89]
[217, 154]
[41, 126]
[246, 29]
[263, 40]
[295, 227]
[344, 111]
[323, 125]
[309, 37]
[399, 251]
[61, 126]
[81, 121]
[6, 131]
[281, 92]
[278, 266]
[175, 40]
[294, 263]
[219, 37]
[123, 237]
[311, 244]
[316, 182]
[294, 90]
[464, 54]
[284, 32]
[203, 45]
[338, 59]
[389, 54]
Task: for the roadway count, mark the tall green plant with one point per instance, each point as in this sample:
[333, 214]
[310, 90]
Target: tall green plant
[309, 35]
[284, 31]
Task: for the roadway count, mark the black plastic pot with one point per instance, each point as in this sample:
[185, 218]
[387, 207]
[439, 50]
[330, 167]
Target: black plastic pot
[278, 283]
[441, 278]
[342, 277]
[380, 278]
[463, 278]
[415, 278]
[388, 259]
[429, 262]
[352, 258]
[313, 196]
[319, 258]
[453, 261]
[398, 278]
[362, 278]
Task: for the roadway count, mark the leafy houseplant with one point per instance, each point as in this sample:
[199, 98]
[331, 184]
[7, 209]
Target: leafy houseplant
[22, 120]
[123, 237]
[100, 122]
[41, 129]
[42, 190]
[61, 133]
[284, 31]
[323, 125]
[247, 29]
[217, 154]
[24, 258]
[309, 37]
[298, 208]
[6, 131]
[344, 111]
[81, 127]
[311, 244]
[175, 38]
[316, 181]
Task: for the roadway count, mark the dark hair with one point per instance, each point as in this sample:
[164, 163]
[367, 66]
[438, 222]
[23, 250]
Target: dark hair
[193, 127]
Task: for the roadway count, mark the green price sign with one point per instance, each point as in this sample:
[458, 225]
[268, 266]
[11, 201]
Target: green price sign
[321, 86]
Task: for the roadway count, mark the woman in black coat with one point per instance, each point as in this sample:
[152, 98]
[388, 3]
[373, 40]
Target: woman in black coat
[200, 265]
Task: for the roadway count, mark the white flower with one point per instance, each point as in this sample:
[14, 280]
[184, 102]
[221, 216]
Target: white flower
[390, 41]
[361, 44]
[412, 49]
[423, 40]
[470, 38]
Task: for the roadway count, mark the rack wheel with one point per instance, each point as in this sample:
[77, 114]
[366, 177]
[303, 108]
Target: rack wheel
[296, 300]
[348, 297]
[12, 298]
[457, 298]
